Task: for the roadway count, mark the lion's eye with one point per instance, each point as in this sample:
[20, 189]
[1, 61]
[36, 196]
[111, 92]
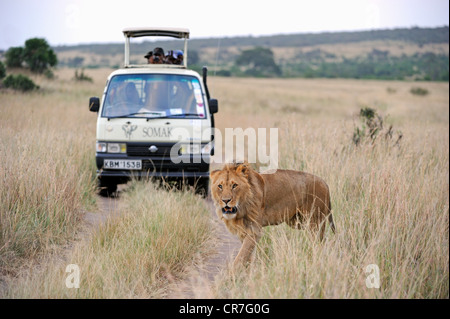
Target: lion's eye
[234, 186]
[220, 186]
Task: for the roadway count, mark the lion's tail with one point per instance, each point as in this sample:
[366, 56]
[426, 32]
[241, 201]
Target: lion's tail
[330, 218]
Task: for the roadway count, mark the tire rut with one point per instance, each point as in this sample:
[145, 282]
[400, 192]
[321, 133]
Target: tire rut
[200, 278]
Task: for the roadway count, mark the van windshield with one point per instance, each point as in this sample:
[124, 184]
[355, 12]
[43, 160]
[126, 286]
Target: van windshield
[154, 96]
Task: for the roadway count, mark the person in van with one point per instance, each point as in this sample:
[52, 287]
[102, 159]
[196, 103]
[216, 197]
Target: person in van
[178, 55]
[157, 56]
[174, 57]
[148, 56]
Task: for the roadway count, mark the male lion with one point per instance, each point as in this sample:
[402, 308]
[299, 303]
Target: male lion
[247, 201]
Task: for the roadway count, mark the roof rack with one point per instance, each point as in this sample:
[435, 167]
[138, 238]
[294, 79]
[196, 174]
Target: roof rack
[179, 33]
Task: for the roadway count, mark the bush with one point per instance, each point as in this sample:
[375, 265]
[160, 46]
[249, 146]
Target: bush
[81, 76]
[49, 74]
[372, 127]
[419, 91]
[19, 82]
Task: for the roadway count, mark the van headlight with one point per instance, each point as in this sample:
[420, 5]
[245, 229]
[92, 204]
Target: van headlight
[195, 149]
[206, 149]
[103, 147]
[117, 148]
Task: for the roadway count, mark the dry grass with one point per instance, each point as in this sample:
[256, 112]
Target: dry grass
[135, 255]
[353, 50]
[48, 182]
[46, 168]
[390, 206]
[390, 203]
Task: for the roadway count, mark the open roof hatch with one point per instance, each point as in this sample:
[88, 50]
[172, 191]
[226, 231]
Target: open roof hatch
[178, 33]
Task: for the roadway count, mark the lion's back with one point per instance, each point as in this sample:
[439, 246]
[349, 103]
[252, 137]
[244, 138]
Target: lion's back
[289, 189]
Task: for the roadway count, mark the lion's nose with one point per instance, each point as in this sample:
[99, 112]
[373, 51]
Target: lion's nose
[226, 201]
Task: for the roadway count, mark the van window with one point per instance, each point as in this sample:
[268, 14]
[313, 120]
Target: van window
[154, 95]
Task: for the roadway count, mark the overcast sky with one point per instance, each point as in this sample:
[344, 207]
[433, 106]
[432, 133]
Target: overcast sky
[99, 21]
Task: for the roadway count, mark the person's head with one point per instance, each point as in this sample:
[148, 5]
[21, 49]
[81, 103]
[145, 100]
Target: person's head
[157, 56]
[148, 56]
[174, 57]
[169, 57]
[178, 55]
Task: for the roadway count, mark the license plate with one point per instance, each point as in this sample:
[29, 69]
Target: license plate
[122, 164]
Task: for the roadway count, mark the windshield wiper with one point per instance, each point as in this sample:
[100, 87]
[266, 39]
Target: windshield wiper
[137, 113]
[171, 116]
[158, 115]
[182, 114]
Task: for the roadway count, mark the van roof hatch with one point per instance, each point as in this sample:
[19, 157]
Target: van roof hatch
[179, 33]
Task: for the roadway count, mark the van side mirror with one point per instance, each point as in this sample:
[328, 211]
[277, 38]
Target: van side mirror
[213, 106]
[94, 104]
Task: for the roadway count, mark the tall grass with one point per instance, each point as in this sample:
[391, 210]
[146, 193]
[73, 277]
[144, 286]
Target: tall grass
[390, 203]
[154, 236]
[391, 209]
[46, 171]
[47, 183]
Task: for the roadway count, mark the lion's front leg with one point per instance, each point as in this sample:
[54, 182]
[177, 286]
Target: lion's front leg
[245, 253]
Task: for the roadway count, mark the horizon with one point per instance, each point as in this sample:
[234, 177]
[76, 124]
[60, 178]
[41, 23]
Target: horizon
[251, 36]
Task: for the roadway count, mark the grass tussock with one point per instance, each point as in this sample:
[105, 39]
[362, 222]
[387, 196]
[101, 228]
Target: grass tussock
[156, 234]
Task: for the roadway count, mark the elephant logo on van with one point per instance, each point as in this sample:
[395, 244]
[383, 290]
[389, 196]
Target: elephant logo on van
[129, 129]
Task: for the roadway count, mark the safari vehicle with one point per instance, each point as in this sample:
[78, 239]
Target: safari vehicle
[154, 120]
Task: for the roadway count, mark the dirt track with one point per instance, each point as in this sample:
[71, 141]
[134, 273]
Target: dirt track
[200, 277]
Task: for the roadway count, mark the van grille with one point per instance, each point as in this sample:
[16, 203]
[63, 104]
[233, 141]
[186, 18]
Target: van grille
[143, 149]
[160, 160]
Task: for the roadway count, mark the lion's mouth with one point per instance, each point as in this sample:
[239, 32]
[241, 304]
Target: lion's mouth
[229, 210]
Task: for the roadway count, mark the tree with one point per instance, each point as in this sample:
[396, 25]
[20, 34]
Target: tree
[258, 62]
[2, 70]
[38, 55]
[14, 57]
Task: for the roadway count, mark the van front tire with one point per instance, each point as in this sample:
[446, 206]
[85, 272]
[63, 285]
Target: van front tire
[202, 187]
[107, 188]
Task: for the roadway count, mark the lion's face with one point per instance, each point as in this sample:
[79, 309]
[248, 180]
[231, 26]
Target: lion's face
[229, 187]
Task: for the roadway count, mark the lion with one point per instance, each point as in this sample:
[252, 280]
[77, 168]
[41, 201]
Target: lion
[247, 201]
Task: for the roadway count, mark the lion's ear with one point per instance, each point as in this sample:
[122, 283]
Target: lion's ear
[213, 174]
[243, 169]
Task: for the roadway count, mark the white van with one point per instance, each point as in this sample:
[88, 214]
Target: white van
[154, 120]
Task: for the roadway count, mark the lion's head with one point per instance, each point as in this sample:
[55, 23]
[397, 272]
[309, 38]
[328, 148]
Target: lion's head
[233, 189]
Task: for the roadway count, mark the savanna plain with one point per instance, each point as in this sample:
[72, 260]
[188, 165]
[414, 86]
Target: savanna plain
[389, 195]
